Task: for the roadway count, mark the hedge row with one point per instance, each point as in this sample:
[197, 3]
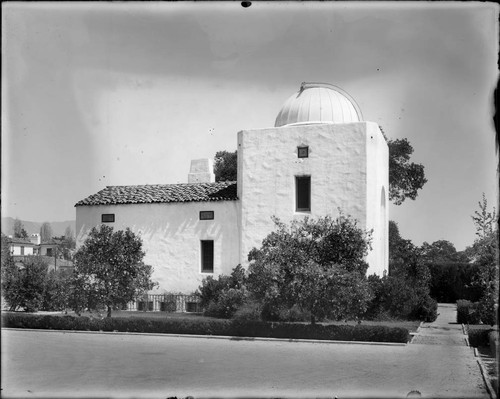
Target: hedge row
[481, 336]
[235, 328]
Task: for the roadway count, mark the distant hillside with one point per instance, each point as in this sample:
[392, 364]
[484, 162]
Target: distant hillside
[58, 228]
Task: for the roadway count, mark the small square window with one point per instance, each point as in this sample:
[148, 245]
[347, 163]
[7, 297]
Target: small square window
[108, 218]
[206, 215]
[303, 152]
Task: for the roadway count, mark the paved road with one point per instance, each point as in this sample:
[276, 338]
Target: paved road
[56, 364]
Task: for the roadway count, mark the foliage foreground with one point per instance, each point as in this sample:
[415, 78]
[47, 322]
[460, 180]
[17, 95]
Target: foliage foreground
[218, 327]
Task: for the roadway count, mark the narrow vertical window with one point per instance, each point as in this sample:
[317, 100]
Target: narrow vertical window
[302, 193]
[207, 256]
[22, 250]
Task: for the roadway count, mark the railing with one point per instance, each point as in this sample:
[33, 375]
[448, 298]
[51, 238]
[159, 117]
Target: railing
[166, 303]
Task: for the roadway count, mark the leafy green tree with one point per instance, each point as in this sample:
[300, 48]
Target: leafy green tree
[441, 251]
[484, 254]
[46, 232]
[317, 265]
[109, 269]
[405, 292]
[23, 287]
[67, 244]
[19, 231]
[11, 278]
[57, 290]
[405, 177]
[226, 166]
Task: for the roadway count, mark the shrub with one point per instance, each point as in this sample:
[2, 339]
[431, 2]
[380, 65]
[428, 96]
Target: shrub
[56, 291]
[395, 297]
[249, 311]
[487, 307]
[221, 297]
[315, 265]
[426, 310]
[32, 284]
[227, 303]
[210, 327]
[467, 312]
[453, 281]
[479, 336]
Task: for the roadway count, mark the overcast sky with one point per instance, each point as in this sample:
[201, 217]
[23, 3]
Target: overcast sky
[97, 94]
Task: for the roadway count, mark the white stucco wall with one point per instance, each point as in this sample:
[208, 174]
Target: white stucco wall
[377, 199]
[171, 235]
[16, 249]
[337, 164]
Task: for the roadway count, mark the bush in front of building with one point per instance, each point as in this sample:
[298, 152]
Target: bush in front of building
[223, 296]
[314, 265]
[220, 327]
[405, 292]
[395, 297]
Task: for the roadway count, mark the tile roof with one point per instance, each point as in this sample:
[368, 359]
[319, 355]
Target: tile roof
[15, 240]
[163, 193]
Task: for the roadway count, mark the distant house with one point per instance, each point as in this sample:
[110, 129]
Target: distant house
[21, 248]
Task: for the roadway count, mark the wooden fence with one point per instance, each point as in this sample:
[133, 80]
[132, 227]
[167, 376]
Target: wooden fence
[166, 303]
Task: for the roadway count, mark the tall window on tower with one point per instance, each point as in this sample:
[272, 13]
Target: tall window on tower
[302, 193]
[207, 256]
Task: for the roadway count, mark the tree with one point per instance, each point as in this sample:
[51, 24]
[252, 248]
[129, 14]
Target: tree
[10, 276]
[226, 166]
[22, 287]
[484, 254]
[405, 177]
[109, 269]
[67, 244]
[19, 231]
[223, 296]
[441, 251]
[405, 292]
[46, 232]
[317, 265]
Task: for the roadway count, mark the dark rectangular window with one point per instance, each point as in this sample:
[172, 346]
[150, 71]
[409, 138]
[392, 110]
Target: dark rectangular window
[108, 218]
[303, 193]
[22, 250]
[303, 152]
[207, 256]
[49, 252]
[206, 215]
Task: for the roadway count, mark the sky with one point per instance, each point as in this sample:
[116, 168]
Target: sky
[97, 94]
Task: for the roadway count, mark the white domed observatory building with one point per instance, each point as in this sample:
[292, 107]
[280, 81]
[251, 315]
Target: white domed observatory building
[321, 156]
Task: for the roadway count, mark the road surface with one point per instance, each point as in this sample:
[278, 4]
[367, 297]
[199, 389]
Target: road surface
[58, 364]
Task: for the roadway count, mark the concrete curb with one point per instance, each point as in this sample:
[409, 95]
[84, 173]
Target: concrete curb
[319, 341]
[486, 380]
[484, 373]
